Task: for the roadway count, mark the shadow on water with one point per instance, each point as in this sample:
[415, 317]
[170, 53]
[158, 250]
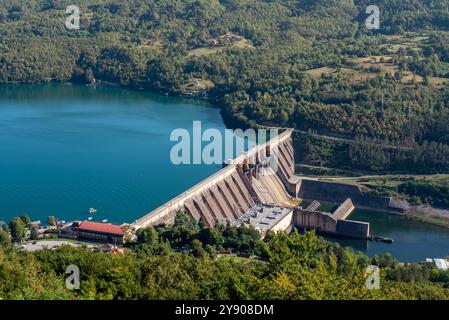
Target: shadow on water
[68, 91]
[413, 240]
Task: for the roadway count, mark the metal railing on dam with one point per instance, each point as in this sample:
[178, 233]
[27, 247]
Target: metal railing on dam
[167, 210]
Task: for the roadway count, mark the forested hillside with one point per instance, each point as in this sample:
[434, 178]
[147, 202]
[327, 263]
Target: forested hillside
[309, 64]
[180, 262]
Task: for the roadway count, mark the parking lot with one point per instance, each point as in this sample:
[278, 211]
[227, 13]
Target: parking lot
[47, 244]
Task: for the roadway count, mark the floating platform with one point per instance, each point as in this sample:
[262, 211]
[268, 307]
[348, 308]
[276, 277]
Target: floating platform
[381, 239]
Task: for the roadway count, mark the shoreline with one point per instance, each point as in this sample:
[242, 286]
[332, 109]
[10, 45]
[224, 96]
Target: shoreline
[420, 217]
[440, 222]
[229, 122]
[416, 216]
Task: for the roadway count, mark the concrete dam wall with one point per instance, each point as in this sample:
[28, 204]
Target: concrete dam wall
[338, 192]
[332, 223]
[228, 194]
[260, 188]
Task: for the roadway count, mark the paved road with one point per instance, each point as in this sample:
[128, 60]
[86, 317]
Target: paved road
[46, 244]
[334, 138]
[380, 176]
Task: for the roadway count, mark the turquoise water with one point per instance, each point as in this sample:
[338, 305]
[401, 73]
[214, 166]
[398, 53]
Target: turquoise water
[413, 240]
[67, 148]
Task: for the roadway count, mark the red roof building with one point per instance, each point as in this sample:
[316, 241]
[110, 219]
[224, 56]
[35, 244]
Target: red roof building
[101, 231]
[101, 228]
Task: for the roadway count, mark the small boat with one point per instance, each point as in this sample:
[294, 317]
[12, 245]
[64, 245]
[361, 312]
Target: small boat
[90, 218]
[382, 239]
[105, 220]
[92, 210]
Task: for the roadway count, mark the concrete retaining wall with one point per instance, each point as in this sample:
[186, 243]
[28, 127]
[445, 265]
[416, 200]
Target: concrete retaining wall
[320, 221]
[285, 224]
[344, 210]
[337, 193]
[353, 229]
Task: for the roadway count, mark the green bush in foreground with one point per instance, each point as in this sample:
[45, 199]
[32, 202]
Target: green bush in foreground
[287, 267]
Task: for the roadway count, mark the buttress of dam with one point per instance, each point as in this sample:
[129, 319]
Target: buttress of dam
[264, 175]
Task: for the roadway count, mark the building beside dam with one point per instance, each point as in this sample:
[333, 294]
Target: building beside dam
[260, 188]
[332, 222]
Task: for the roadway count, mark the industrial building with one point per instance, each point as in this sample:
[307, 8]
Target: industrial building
[99, 232]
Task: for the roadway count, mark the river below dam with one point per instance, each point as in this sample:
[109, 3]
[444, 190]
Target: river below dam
[66, 148]
[414, 241]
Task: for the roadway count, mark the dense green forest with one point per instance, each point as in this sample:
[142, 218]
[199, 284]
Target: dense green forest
[308, 64]
[367, 100]
[364, 155]
[434, 193]
[181, 262]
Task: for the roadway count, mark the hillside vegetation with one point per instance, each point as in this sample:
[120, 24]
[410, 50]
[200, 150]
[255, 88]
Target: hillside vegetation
[309, 64]
[181, 262]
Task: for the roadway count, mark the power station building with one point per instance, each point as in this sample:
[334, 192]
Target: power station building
[100, 232]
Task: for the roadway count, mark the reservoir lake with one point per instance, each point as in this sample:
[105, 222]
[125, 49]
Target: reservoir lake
[67, 148]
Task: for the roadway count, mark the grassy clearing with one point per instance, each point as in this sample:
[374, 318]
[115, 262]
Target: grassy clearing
[197, 85]
[318, 72]
[221, 43]
[151, 44]
[205, 51]
[407, 42]
[369, 67]
[439, 82]
[242, 43]
[231, 258]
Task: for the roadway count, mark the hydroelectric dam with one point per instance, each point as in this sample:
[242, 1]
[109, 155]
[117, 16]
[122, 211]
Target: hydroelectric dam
[260, 188]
